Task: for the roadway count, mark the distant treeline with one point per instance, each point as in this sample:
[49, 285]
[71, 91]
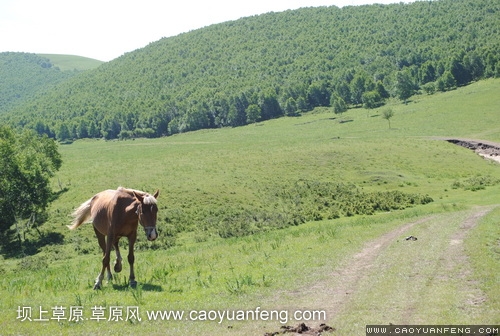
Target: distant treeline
[276, 64]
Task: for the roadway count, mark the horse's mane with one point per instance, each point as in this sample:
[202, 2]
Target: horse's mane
[147, 198]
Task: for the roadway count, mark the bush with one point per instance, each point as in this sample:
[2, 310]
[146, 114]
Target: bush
[429, 88]
[288, 205]
[475, 183]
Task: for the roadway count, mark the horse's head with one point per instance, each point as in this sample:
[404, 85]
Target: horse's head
[147, 211]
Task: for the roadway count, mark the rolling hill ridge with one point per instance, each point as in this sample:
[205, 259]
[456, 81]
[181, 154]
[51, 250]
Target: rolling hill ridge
[23, 75]
[266, 66]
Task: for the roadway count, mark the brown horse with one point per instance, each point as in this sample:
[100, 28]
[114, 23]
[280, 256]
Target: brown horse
[115, 214]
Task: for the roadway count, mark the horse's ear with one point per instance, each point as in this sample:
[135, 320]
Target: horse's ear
[138, 197]
[156, 193]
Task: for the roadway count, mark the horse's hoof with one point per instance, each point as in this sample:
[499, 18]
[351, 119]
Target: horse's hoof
[133, 283]
[118, 268]
[97, 286]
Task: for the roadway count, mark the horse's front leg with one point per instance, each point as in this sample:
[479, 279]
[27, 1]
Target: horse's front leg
[131, 258]
[105, 262]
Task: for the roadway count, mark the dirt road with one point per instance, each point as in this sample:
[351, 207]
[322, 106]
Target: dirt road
[399, 281]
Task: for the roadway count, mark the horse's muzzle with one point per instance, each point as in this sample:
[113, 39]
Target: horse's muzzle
[151, 233]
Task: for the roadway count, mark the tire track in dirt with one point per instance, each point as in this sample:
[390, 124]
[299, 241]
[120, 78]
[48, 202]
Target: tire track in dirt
[350, 274]
[455, 255]
[335, 294]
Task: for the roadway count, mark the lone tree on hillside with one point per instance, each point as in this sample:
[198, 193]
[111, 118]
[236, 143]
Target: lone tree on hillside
[387, 114]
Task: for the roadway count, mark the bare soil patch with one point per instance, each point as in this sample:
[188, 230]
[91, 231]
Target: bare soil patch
[487, 149]
[302, 329]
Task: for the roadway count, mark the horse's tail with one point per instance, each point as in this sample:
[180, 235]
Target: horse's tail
[81, 214]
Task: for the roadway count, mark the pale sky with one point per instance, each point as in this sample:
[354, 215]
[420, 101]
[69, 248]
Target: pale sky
[106, 29]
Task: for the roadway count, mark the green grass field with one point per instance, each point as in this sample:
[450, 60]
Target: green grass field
[72, 62]
[203, 174]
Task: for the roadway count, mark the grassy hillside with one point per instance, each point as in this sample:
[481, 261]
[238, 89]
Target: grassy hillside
[24, 75]
[72, 62]
[262, 67]
[235, 168]
[210, 177]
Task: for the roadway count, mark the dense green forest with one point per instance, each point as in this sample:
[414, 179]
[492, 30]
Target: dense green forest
[22, 75]
[276, 64]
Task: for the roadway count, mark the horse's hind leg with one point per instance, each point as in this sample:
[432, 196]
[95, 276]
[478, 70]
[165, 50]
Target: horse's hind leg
[118, 262]
[106, 249]
[131, 259]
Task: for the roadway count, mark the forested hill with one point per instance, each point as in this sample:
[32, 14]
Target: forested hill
[22, 75]
[275, 64]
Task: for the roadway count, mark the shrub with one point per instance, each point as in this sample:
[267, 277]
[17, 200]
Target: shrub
[475, 183]
[288, 205]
